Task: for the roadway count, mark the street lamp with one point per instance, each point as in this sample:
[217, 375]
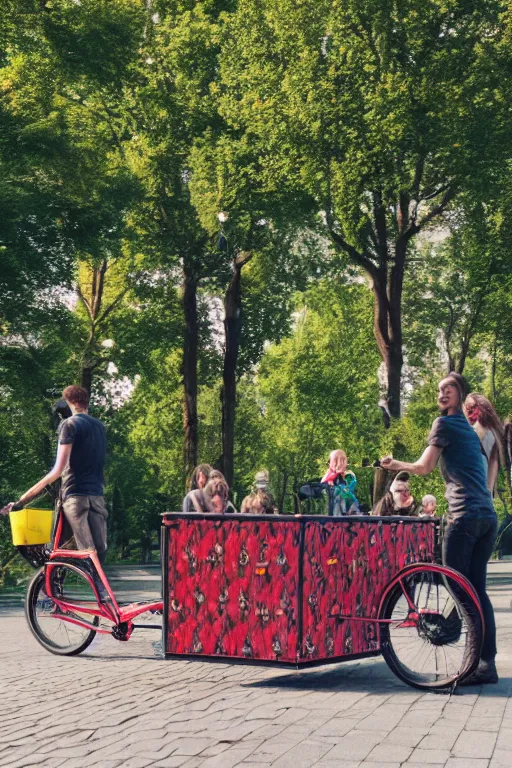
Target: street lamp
[222, 216]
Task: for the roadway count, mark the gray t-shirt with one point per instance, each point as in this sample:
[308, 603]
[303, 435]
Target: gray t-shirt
[198, 497]
[462, 467]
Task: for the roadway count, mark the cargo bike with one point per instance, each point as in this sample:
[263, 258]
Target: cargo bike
[292, 591]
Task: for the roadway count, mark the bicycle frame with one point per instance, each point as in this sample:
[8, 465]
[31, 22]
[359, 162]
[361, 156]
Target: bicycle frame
[112, 611]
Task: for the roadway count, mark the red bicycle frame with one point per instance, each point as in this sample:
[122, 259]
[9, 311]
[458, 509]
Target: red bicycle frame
[111, 611]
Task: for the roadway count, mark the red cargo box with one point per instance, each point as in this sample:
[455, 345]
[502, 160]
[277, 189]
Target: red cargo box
[278, 589]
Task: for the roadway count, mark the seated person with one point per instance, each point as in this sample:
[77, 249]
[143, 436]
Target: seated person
[398, 500]
[216, 474]
[200, 476]
[198, 480]
[428, 505]
[342, 499]
[259, 502]
[337, 467]
[211, 499]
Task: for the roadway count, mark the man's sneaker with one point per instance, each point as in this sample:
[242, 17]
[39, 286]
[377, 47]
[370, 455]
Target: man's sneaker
[485, 674]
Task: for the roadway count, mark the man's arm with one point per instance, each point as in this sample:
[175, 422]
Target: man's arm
[423, 466]
[61, 462]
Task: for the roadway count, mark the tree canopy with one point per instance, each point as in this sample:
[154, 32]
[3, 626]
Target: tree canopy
[248, 239]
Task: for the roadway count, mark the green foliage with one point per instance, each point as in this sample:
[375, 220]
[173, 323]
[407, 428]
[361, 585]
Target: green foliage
[126, 126]
[318, 388]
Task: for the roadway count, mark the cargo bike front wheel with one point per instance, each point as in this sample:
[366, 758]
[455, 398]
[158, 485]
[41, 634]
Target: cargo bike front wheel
[432, 626]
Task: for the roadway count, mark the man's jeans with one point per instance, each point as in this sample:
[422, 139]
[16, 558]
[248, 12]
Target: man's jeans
[467, 546]
[87, 516]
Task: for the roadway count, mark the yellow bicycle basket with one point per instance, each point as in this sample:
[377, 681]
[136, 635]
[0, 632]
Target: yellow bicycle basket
[31, 526]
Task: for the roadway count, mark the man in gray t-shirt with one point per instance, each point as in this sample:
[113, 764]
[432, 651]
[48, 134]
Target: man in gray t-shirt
[469, 537]
[462, 466]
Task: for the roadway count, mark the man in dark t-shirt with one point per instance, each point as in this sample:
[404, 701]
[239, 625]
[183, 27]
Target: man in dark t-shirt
[80, 460]
[82, 477]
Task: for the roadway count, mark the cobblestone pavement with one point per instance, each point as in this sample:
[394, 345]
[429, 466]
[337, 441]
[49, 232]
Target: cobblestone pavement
[122, 705]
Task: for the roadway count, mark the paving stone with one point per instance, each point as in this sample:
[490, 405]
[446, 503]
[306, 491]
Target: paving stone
[501, 758]
[475, 744]
[408, 764]
[74, 763]
[370, 764]
[247, 764]
[435, 741]
[336, 727]
[171, 762]
[215, 749]
[135, 708]
[190, 746]
[291, 715]
[227, 759]
[353, 746]
[483, 723]
[504, 740]
[389, 753]
[406, 737]
[430, 755]
[338, 764]
[304, 755]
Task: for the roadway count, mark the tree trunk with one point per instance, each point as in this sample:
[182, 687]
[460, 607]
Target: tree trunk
[93, 306]
[388, 333]
[282, 496]
[190, 345]
[232, 329]
[387, 269]
[86, 379]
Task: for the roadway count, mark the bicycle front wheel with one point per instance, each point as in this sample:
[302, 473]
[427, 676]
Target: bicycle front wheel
[435, 632]
[46, 620]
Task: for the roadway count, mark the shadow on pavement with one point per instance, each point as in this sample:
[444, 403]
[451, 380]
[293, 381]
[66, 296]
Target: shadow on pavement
[344, 678]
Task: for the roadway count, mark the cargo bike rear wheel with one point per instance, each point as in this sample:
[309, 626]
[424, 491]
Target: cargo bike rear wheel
[435, 628]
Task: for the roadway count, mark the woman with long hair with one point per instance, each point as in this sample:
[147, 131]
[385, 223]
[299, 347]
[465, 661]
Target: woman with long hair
[200, 476]
[197, 482]
[487, 424]
[469, 538]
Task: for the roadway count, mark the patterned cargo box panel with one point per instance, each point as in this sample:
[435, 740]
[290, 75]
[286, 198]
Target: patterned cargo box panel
[321, 591]
[336, 584]
[347, 565]
[416, 543]
[233, 588]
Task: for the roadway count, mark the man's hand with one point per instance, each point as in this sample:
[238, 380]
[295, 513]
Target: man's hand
[5, 510]
[389, 463]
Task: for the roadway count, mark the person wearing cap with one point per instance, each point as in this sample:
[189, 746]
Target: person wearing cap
[260, 501]
[428, 505]
[470, 535]
[398, 500]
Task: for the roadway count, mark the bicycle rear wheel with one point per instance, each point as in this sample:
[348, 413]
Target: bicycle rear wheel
[436, 632]
[45, 617]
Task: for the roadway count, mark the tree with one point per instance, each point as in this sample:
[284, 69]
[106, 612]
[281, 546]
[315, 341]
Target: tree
[382, 113]
[254, 225]
[450, 288]
[316, 388]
